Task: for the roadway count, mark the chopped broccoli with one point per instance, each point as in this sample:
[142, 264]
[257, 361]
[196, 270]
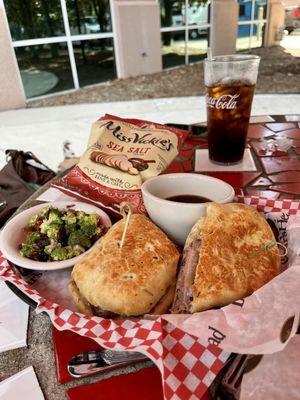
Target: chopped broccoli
[44, 211]
[32, 221]
[79, 237]
[53, 219]
[28, 247]
[26, 250]
[52, 231]
[44, 226]
[89, 224]
[51, 228]
[48, 249]
[69, 218]
[80, 215]
[57, 235]
[32, 237]
[62, 253]
[70, 222]
[70, 228]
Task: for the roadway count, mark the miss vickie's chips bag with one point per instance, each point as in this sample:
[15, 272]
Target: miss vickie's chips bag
[121, 155]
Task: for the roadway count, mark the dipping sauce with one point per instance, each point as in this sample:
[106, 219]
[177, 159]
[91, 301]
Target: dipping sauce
[188, 198]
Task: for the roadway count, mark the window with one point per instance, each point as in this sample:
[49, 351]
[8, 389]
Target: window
[34, 19]
[258, 35]
[252, 23]
[245, 9]
[89, 16]
[61, 44]
[45, 68]
[173, 48]
[184, 32]
[95, 61]
[242, 10]
[197, 44]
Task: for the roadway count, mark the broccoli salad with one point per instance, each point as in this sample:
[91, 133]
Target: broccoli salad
[56, 235]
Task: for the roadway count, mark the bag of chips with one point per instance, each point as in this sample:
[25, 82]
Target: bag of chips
[121, 155]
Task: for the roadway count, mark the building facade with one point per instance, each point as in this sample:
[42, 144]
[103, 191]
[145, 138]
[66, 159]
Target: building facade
[52, 46]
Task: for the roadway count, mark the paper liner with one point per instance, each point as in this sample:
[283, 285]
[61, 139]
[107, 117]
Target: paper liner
[276, 376]
[189, 350]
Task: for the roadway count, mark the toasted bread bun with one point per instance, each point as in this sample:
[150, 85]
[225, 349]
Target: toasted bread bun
[164, 304]
[128, 281]
[229, 266]
[82, 305]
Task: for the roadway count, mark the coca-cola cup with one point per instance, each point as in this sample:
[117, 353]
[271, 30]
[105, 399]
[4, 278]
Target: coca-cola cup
[230, 82]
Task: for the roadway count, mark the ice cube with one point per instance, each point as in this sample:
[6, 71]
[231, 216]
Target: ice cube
[226, 81]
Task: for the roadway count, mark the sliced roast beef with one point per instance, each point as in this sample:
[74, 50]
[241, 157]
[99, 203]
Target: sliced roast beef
[99, 312]
[186, 276]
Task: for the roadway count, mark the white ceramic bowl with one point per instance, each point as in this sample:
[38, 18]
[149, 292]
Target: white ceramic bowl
[174, 218]
[12, 235]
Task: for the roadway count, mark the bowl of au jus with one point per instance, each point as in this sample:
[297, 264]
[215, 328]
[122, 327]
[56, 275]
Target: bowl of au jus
[176, 201]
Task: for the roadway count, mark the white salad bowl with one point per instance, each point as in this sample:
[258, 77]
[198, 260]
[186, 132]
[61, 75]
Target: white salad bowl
[175, 218]
[12, 235]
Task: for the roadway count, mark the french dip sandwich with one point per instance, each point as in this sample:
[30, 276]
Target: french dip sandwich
[134, 280]
[225, 259]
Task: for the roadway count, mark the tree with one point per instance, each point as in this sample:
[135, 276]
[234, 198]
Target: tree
[31, 19]
[101, 8]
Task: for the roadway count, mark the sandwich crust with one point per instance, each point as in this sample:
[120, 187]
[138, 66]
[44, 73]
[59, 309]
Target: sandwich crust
[229, 266]
[128, 281]
[82, 305]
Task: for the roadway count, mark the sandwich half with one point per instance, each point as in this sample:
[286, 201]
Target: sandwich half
[134, 280]
[225, 259]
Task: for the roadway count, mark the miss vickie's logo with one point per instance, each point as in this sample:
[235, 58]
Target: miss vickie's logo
[136, 138]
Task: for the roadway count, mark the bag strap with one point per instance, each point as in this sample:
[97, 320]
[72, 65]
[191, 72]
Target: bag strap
[27, 156]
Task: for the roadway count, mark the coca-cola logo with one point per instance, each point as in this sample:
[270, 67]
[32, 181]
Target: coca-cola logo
[225, 102]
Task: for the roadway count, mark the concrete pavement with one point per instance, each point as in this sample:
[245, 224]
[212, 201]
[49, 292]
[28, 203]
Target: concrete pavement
[43, 130]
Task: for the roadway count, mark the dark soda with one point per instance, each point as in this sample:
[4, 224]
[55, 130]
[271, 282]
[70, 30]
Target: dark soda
[228, 112]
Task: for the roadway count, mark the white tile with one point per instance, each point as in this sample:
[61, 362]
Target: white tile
[256, 119]
[23, 385]
[203, 164]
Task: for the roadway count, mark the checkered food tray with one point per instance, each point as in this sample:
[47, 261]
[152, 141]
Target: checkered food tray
[189, 350]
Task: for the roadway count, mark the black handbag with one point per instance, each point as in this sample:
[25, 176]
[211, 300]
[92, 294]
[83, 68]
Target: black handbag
[19, 178]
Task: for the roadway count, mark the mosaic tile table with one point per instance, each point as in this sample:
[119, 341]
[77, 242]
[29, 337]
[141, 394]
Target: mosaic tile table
[278, 172]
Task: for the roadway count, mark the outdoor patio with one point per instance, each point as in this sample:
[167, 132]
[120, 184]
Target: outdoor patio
[42, 129]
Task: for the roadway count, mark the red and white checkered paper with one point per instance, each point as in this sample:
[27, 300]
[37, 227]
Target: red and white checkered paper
[188, 364]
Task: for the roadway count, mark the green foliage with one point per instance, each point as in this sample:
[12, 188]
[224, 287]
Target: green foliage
[31, 19]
